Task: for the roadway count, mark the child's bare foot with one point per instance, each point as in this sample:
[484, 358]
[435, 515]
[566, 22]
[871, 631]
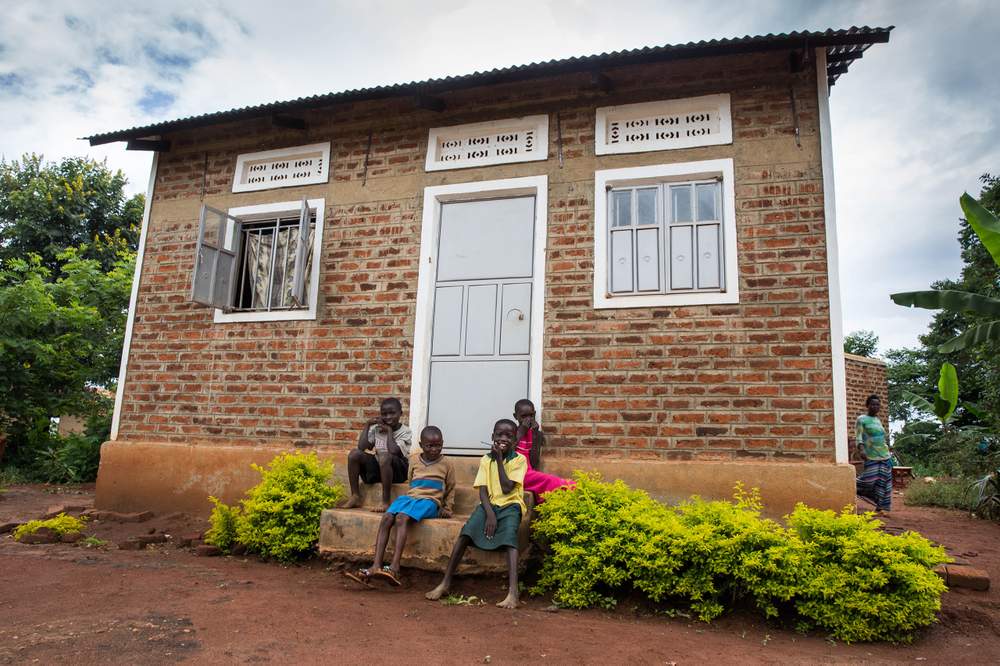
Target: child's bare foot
[509, 602]
[437, 592]
[354, 502]
[381, 508]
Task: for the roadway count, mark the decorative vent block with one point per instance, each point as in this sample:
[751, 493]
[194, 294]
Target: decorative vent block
[285, 167]
[494, 142]
[666, 125]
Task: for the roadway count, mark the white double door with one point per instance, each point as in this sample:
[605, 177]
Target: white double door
[480, 351]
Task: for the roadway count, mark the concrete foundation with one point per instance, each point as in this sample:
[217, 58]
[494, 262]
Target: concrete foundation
[166, 477]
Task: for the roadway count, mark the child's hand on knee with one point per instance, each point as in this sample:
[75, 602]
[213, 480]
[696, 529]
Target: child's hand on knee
[491, 526]
[444, 513]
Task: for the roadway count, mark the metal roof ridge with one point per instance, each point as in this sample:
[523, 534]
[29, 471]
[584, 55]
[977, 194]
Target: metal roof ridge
[540, 68]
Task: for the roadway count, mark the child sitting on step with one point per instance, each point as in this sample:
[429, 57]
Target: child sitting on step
[530, 440]
[495, 522]
[382, 454]
[431, 495]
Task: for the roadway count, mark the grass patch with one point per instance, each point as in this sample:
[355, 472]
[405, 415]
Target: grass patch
[93, 542]
[460, 600]
[946, 492]
[10, 475]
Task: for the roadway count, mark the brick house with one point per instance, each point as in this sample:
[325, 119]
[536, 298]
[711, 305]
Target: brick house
[642, 242]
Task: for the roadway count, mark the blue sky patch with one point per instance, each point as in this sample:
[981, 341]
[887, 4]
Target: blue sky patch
[154, 100]
[167, 60]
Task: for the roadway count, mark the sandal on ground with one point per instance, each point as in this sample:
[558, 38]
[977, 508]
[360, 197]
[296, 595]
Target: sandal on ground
[360, 576]
[387, 574]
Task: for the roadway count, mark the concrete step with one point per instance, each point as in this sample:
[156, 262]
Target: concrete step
[349, 534]
[466, 497]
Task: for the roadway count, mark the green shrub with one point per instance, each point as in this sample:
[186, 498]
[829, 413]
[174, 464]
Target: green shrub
[225, 521]
[61, 524]
[836, 572]
[280, 515]
[864, 584]
[945, 492]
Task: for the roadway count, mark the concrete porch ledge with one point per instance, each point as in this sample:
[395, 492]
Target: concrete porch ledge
[167, 476]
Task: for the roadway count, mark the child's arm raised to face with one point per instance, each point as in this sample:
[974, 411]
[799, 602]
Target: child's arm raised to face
[363, 442]
[506, 485]
[536, 448]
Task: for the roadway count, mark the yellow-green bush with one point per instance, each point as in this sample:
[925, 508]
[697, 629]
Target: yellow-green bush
[61, 524]
[224, 520]
[605, 539]
[864, 584]
[280, 515]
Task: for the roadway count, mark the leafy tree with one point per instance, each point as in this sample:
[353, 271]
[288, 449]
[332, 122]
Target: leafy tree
[861, 343]
[68, 235]
[47, 208]
[58, 338]
[965, 331]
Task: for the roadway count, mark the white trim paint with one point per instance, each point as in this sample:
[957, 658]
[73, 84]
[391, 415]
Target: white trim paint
[718, 105]
[264, 211]
[130, 320]
[489, 129]
[536, 186]
[320, 173]
[659, 173]
[832, 264]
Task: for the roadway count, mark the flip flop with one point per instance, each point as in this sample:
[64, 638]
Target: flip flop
[360, 576]
[387, 574]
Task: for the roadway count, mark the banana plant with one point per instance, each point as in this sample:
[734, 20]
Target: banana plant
[987, 228]
[946, 399]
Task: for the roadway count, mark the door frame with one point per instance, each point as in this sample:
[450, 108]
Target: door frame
[434, 197]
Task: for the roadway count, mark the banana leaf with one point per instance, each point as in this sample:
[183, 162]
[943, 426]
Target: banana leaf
[990, 331]
[947, 398]
[948, 299]
[984, 223]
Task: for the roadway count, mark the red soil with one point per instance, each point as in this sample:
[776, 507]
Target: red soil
[64, 603]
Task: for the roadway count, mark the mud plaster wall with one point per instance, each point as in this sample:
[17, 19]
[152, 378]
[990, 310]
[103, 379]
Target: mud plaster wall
[746, 381]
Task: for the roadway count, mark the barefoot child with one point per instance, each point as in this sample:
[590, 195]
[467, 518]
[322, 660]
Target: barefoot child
[494, 523]
[431, 495]
[530, 440]
[382, 453]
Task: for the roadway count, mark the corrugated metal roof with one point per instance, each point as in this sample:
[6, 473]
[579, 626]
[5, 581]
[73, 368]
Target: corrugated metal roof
[843, 47]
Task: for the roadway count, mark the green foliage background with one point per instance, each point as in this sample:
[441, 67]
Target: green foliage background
[932, 447]
[68, 235]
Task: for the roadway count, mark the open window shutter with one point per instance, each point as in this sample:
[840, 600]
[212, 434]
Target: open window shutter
[214, 271]
[302, 249]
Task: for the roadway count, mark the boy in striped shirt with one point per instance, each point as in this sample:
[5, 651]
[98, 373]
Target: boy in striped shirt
[431, 495]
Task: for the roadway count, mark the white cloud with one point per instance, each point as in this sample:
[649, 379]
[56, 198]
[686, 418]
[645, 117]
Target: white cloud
[914, 121]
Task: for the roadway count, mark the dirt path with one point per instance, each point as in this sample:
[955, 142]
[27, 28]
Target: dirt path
[69, 604]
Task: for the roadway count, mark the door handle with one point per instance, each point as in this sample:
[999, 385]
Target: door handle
[519, 314]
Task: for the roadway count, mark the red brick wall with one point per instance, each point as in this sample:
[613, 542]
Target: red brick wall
[865, 376]
[746, 381]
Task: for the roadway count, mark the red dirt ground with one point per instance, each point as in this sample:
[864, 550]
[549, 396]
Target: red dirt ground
[64, 603]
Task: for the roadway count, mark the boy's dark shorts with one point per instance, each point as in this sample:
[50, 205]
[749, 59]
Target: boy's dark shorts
[370, 472]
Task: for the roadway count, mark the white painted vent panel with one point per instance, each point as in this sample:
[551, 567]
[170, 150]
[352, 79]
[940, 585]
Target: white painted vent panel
[285, 167]
[665, 125]
[482, 144]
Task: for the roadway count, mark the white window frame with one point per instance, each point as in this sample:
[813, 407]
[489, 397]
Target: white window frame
[655, 174]
[272, 210]
[322, 175]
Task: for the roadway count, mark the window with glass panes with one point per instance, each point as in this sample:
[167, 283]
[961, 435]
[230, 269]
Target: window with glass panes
[265, 274]
[665, 238]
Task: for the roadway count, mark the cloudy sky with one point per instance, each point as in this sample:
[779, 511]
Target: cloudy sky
[915, 122]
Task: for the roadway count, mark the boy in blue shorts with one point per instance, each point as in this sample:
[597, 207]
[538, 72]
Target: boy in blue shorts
[431, 495]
